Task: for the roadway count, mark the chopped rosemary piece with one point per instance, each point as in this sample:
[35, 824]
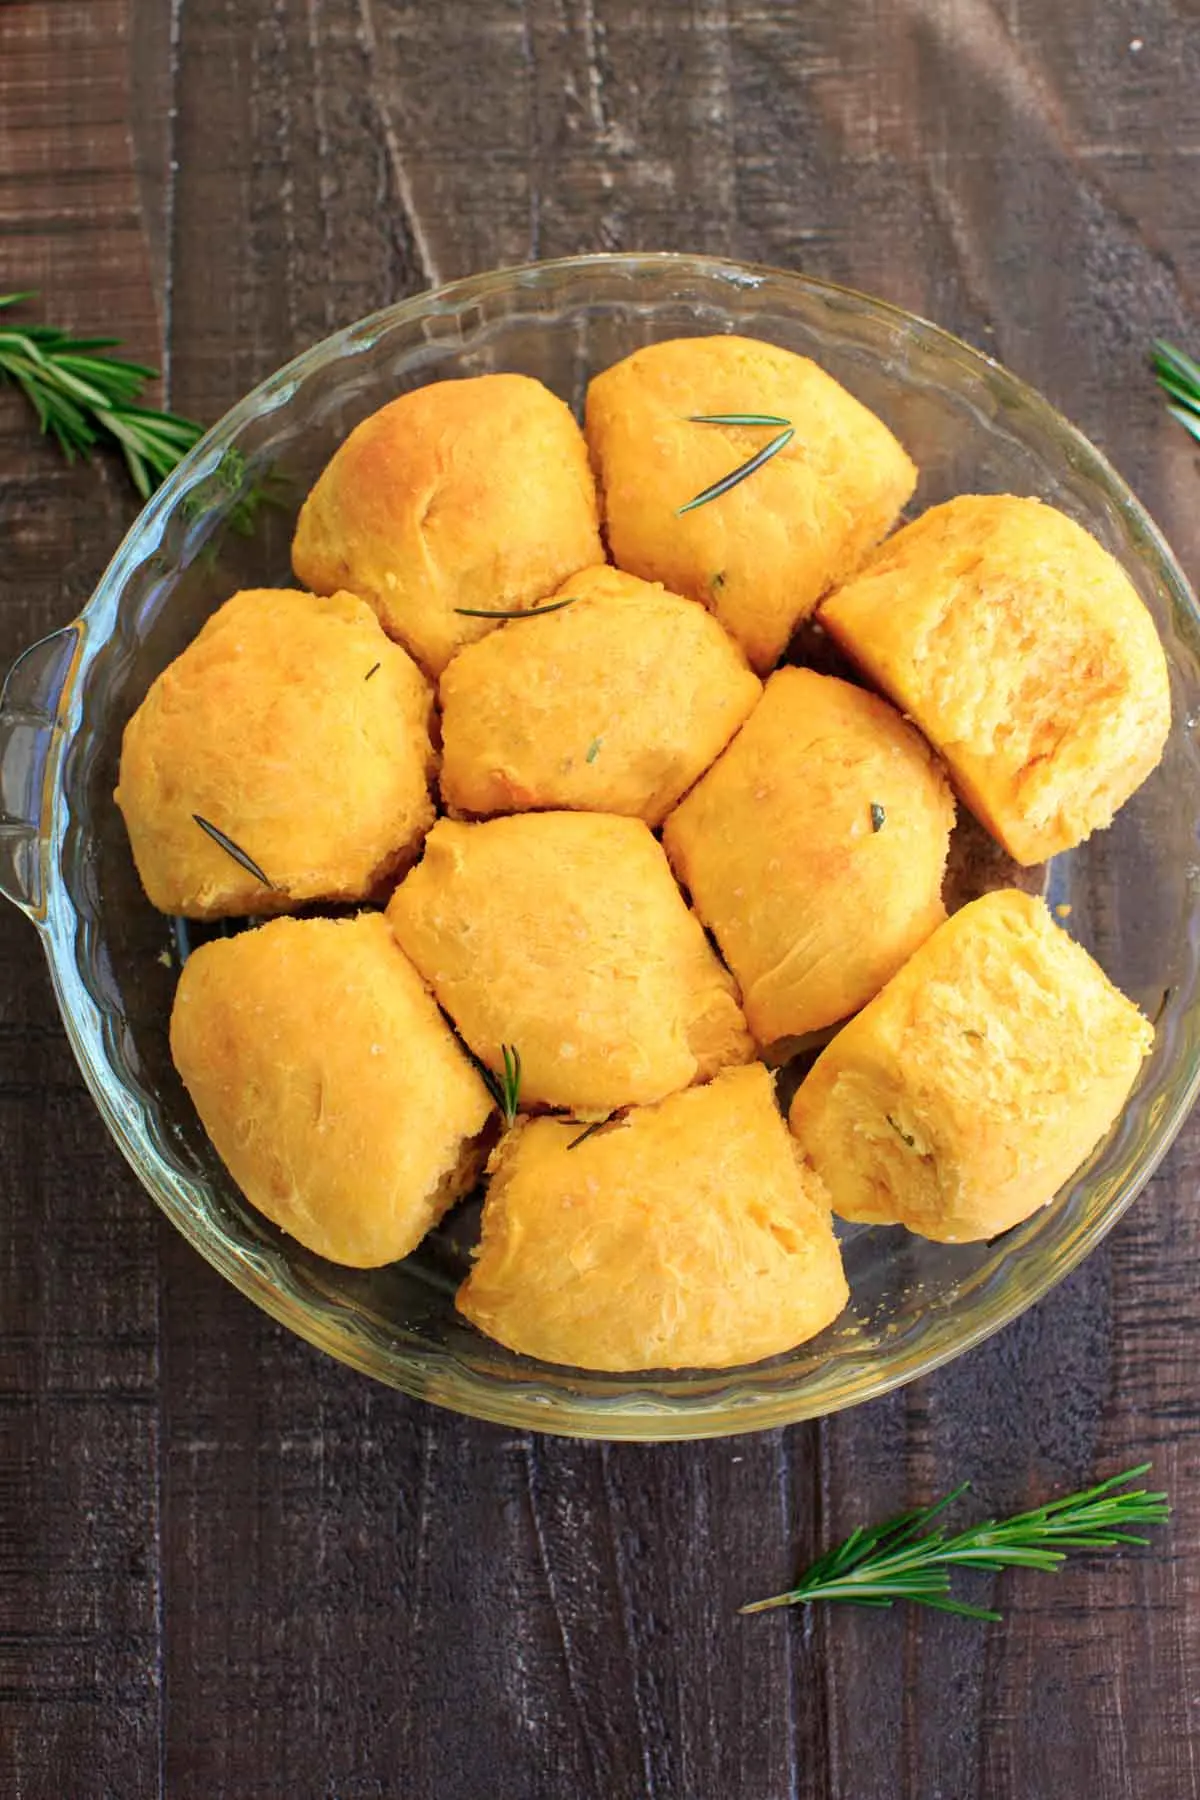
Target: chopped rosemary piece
[878, 816]
[736, 419]
[589, 1131]
[910, 1558]
[505, 1088]
[584, 1135]
[593, 750]
[235, 850]
[530, 612]
[373, 670]
[739, 474]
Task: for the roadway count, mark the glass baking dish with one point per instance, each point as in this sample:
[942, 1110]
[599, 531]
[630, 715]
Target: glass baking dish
[64, 859]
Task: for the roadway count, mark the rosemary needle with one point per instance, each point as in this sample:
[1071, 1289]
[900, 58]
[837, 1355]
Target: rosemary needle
[910, 1557]
[878, 816]
[739, 474]
[530, 612]
[505, 1088]
[235, 850]
[587, 1132]
[736, 419]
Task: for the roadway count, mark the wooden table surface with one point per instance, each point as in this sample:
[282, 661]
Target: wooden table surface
[230, 1568]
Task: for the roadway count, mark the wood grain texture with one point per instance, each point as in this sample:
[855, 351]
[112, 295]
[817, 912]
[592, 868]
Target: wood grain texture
[80, 1600]
[231, 1569]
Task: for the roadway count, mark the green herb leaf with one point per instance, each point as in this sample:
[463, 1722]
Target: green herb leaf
[736, 419]
[738, 475]
[878, 816]
[531, 612]
[593, 749]
[1179, 377]
[228, 482]
[505, 1088]
[373, 670]
[910, 1558]
[235, 850]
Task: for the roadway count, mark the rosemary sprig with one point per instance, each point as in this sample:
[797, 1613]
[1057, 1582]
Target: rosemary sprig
[739, 474]
[505, 1088]
[1179, 377]
[530, 612]
[911, 1558]
[83, 396]
[83, 399]
[235, 850]
[226, 483]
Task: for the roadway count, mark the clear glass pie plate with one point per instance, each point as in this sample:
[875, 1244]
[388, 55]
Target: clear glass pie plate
[63, 856]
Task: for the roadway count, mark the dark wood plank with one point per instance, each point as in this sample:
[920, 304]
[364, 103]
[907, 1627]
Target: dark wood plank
[79, 1568]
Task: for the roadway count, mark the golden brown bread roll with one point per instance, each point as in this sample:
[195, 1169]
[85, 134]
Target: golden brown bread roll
[615, 704]
[1024, 653]
[687, 1236]
[762, 554]
[814, 850]
[332, 1088]
[469, 493]
[272, 727]
[564, 935]
[975, 1084]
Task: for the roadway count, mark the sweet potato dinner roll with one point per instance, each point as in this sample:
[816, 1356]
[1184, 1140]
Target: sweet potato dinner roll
[615, 704]
[686, 1236]
[814, 850]
[1024, 653]
[462, 494]
[333, 1090]
[563, 935]
[761, 554]
[976, 1083]
[295, 728]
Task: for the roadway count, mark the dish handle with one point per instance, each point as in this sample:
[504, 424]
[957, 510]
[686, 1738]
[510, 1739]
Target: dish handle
[31, 706]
